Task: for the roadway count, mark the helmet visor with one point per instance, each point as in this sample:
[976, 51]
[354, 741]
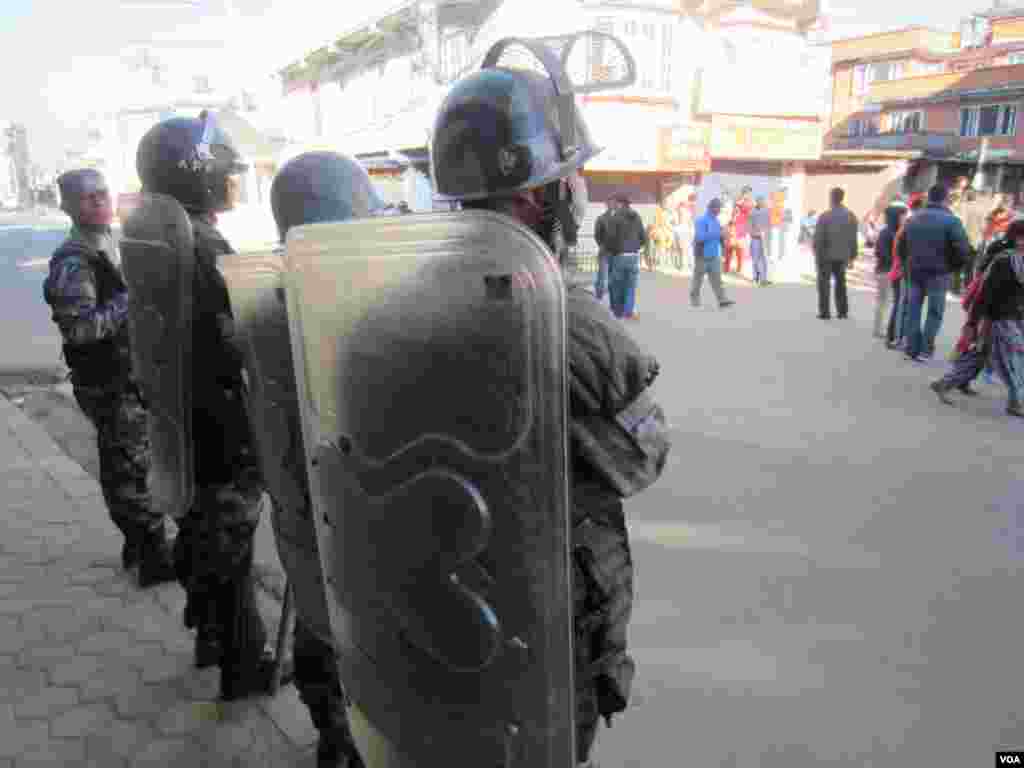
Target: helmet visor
[216, 145]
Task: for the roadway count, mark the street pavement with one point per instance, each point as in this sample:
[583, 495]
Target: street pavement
[94, 672]
[824, 573]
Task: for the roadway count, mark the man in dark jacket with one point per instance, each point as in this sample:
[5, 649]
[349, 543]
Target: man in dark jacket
[894, 214]
[835, 248]
[601, 231]
[934, 244]
[627, 240]
[89, 299]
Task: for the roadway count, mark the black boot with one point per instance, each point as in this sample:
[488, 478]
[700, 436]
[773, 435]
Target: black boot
[156, 565]
[207, 648]
[336, 749]
[254, 679]
[130, 553]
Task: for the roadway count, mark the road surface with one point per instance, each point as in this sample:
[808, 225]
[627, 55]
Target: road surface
[828, 573]
[28, 339]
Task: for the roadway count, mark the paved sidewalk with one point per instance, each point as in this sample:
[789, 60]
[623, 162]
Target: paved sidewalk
[93, 671]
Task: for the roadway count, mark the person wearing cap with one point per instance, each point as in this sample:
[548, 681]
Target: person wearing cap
[88, 297]
[708, 244]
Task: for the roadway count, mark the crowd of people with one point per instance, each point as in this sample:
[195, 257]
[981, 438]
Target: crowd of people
[707, 245]
[947, 241]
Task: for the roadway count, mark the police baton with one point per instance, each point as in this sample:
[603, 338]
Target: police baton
[284, 629]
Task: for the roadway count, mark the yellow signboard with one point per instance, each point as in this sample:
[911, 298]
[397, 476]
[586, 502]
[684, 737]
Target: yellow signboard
[683, 148]
[765, 138]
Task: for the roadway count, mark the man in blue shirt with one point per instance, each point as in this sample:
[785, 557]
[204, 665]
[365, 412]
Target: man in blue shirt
[707, 255]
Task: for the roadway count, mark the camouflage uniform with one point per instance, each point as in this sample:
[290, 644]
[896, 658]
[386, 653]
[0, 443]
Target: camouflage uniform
[606, 365]
[213, 553]
[89, 300]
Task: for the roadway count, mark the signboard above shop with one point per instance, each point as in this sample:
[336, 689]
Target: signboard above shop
[642, 140]
[765, 138]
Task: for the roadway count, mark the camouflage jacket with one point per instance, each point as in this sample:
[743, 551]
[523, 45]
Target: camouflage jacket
[89, 302]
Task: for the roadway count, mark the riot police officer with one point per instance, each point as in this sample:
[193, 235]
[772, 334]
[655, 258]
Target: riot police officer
[316, 187]
[533, 176]
[89, 300]
[195, 162]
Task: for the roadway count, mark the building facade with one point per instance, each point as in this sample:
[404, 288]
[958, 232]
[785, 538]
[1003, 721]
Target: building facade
[374, 91]
[944, 104]
[155, 84]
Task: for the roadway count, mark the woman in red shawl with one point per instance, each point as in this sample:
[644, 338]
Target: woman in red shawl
[994, 331]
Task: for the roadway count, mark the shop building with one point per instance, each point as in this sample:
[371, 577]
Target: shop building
[941, 104]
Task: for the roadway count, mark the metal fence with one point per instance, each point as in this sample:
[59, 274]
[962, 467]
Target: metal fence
[583, 258]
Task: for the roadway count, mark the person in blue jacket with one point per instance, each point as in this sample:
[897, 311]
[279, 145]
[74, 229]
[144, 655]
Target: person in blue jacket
[707, 255]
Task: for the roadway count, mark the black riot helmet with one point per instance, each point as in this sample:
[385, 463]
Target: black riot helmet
[498, 133]
[190, 160]
[322, 186]
[514, 126]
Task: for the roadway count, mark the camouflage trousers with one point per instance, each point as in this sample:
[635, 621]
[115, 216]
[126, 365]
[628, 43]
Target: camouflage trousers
[602, 581]
[213, 561]
[122, 438]
[316, 665]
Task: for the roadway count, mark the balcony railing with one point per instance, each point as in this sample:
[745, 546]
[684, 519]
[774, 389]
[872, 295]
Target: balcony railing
[930, 142]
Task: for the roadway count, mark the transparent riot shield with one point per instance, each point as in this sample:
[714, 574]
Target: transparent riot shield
[158, 260]
[261, 333]
[431, 362]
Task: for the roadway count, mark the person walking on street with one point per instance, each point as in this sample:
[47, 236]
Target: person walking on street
[708, 244]
[601, 231]
[883, 264]
[934, 244]
[628, 238]
[760, 224]
[835, 248]
[900, 282]
[89, 299]
[994, 332]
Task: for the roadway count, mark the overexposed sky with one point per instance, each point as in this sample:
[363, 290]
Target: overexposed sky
[49, 48]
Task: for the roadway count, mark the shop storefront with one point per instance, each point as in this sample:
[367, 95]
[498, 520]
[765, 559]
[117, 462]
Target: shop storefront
[646, 154]
[769, 155]
[993, 171]
[652, 158]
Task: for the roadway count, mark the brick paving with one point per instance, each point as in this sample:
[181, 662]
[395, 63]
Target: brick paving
[93, 671]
